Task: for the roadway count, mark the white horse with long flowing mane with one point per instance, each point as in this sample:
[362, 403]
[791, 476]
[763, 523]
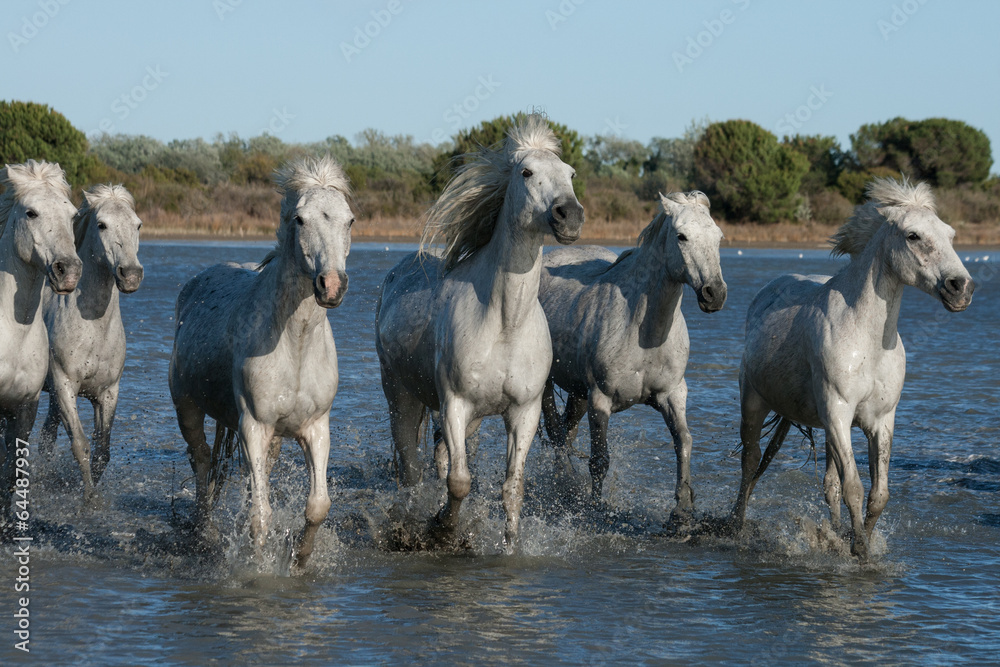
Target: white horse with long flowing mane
[36, 241]
[462, 331]
[86, 334]
[824, 351]
[254, 349]
[618, 334]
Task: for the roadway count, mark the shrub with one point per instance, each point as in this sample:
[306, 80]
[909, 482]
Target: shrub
[747, 174]
[34, 131]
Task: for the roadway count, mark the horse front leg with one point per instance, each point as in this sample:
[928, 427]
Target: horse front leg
[838, 447]
[104, 419]
[255, 440]
[454, 420]
[64, 392]
[50, 428]
[17, 431]
[406, 414]
[191, 421]
[598, 414]
[753, 412]
[315, 442]
[831, 486]
[879, 450]
[521, 422]
[673, 407]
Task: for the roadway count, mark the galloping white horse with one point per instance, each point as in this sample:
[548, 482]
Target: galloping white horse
[36, 240]
[86, 335]
[254, 349]
[462, 332]
[824, 352]
[618, 335]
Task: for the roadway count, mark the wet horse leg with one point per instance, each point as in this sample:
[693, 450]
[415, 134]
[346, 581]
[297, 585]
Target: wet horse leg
[879, 450]
[315, 442]
[454, 421]
[673, 408]
[50, 429]
[598, 414]
[65, 394]
[521, 422]
[255, 440]
[104, 418]
[16, 434]
[191, 420]
[838, 437]
[831, 486]
[753, 412]
[406, 413]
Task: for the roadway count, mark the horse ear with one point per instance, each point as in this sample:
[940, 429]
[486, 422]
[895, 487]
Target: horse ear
[670, 207]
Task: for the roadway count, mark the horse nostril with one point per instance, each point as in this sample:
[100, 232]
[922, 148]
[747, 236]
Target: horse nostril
[59, 269]
[957, 284]
[707, 292]
[559, 212]
[121, 273]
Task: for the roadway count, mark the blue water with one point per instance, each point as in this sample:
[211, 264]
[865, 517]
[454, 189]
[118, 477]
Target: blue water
[123, 584]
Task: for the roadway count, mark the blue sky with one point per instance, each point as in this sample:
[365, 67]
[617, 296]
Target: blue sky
[307, 70]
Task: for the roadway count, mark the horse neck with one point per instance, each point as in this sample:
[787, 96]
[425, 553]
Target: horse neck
[96, 294]
[510, 270]
[652, 295]
[874, 292]
[290, 295]
[21, 285]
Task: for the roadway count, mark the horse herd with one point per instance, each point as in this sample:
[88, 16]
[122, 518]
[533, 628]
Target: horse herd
[478, 322]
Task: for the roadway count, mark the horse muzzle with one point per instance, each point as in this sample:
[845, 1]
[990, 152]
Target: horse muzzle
[956, 293]
[64, 273]
[329, 288]
[566, 220]
[128, 278]
[712, 297]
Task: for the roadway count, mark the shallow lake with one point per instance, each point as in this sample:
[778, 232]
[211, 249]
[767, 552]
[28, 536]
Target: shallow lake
[122, 584]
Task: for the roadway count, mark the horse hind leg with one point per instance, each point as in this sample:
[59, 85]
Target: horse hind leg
[191, 420]
[406, 414]
[50, 428]
[753, 411]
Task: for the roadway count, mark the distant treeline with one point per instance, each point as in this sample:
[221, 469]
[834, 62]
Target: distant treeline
[224, 185]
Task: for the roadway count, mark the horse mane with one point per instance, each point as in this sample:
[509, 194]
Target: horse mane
[888, 201]
[297, 176]
[465, 215]
[19, 179]
[94, 199]
[652, 230]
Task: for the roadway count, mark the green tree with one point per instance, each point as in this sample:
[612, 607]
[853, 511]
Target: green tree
[826, 161]
[35, 131]
[944, 152]
[747, 173]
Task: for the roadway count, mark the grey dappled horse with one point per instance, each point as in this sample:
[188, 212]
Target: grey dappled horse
[254, 349]
[824, 352]
[86, 335]
[462, 331]
[36, 242]
[618, 335]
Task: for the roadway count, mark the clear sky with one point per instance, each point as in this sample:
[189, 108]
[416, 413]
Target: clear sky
[307, 70]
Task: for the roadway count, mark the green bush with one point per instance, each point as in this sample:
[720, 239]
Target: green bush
[826, 161]
[34, 131]
[747, 174]
[943, 152]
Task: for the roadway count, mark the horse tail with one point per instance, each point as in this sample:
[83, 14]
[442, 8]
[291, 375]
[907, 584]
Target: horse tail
[223, 452]
[778, 426]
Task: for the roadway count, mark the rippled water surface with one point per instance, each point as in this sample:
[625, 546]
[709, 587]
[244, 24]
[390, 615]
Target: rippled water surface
[123, 585]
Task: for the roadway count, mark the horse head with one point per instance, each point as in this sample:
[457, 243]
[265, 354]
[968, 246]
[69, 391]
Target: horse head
[107, 228]
[316, 220]
[691, 241]
[36, 208]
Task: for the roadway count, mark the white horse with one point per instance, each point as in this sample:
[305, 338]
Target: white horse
[86, 335]
[462, 331]
[36, 241]
[254, 349]
[824, 352]
[618, 334]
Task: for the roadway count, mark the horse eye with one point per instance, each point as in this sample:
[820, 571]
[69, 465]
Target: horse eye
[351, 223]
[682, 237]
[102, 226]
[31, 213]
[913, 236]
[527, 173]
[299, 221]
